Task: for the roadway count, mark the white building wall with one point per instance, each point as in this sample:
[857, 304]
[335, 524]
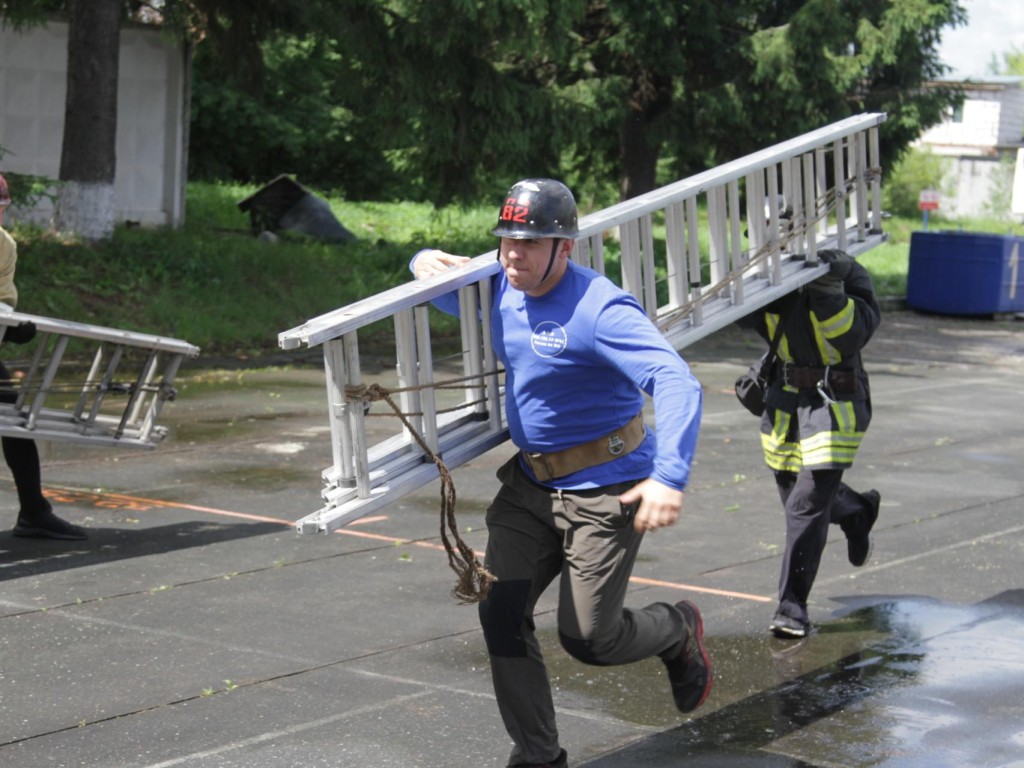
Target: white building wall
[979, 128]
[149, 181]
[991, 130]
[1011, 127]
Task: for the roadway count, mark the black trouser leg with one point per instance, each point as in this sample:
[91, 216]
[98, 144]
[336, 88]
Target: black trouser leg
[807, 497]
[22, 456]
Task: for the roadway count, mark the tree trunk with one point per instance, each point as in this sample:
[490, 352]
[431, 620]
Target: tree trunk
[639, 157]
[650, 98]
[88, 159]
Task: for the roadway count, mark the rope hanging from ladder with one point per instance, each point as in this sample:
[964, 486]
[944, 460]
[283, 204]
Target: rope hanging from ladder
[474, 579]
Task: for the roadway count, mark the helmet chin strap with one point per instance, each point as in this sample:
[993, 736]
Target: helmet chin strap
[551, 261]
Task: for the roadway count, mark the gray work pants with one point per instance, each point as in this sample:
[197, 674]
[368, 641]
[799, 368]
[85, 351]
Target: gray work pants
[587, 540]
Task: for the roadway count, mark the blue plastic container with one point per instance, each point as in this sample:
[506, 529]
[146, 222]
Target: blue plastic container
[965, 273]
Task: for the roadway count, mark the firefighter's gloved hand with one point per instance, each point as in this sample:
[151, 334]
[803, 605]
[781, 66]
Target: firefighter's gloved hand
[840, 262]
[22, 333]
[827, 285]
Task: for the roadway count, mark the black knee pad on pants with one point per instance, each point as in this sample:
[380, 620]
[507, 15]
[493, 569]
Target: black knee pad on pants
[581, 650]
[502, 618]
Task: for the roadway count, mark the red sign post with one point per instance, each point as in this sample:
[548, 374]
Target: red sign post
[928, 200]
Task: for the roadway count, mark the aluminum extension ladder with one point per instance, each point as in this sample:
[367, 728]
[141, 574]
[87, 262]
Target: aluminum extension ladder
[107, 406]
[698, 255]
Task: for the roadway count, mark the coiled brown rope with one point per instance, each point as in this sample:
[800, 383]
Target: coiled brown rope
[473, 579]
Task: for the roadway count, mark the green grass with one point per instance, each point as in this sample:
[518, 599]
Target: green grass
[213, 284]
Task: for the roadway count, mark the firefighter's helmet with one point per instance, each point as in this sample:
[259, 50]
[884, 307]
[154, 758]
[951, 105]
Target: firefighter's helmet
[537, 208]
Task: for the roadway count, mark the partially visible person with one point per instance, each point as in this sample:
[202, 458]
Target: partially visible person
[818, 407]
[35, 518]
[589, 479]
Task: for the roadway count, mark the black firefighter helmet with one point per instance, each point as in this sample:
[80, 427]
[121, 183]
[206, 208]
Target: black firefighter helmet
[538, 208]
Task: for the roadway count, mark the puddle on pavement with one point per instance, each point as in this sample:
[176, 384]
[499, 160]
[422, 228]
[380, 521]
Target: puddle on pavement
[902, 682]
[259, 478]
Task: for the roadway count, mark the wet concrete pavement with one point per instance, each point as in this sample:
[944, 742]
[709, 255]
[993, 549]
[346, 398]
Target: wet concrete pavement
[195, 628]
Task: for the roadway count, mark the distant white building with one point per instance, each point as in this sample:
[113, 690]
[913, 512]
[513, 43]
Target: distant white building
[152, 118]
[982, 138]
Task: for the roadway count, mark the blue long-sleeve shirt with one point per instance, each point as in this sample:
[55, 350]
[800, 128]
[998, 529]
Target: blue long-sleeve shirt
[578, 361]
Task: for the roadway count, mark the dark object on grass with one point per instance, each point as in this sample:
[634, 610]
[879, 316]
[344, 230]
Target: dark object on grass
[285, 204]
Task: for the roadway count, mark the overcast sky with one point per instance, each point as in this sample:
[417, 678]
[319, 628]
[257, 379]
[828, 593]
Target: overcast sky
[993, 27]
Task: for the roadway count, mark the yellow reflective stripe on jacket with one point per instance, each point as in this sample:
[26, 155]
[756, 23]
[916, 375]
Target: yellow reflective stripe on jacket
[831, 328]
[832, 447]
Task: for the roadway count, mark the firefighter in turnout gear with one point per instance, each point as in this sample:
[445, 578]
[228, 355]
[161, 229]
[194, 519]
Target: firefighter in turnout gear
[818, 407]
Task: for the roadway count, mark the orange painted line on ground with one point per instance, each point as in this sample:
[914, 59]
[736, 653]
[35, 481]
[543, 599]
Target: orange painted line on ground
[139, 503]
[706, 590]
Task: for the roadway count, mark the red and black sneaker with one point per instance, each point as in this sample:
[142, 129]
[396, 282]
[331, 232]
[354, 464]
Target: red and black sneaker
[690, 672]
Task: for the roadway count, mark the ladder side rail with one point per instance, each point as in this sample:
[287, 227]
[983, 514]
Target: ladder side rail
[852, 188]
[410, 374]
[774, 250]
[342, 470]
[589, 252]
[103, 386]
[146, 389]
[841, 193]
[472, 350]
[675, 254]
[811, 207]
[495, 402]
[91, 380]
[100, 333]
[384, 305]
[693, 255]
[136, 392]
[718, 258]
[875, 171]
[27, 385]
[427, 397]
[796, 228]
[46, 382]
[737, 169]
[394, 456]
[790, 197]
[582, 254]
[737, 255]
[821, 193]
[757, 228]
[630, 265]
[597, 250]
[648, 269]
[164, 392]
[356, 417]
[462, 450]
[863, 224]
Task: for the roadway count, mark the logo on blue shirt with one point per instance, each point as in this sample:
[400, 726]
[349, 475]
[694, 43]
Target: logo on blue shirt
[549, 339]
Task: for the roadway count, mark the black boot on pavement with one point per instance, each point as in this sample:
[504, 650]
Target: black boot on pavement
[41, 523]
[858, 535]
[690, 671]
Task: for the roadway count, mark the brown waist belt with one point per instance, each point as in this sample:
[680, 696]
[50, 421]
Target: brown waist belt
[614, 445]
[806, 377]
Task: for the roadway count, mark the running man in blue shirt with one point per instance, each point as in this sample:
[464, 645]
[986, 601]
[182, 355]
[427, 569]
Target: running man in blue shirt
[589, 478]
